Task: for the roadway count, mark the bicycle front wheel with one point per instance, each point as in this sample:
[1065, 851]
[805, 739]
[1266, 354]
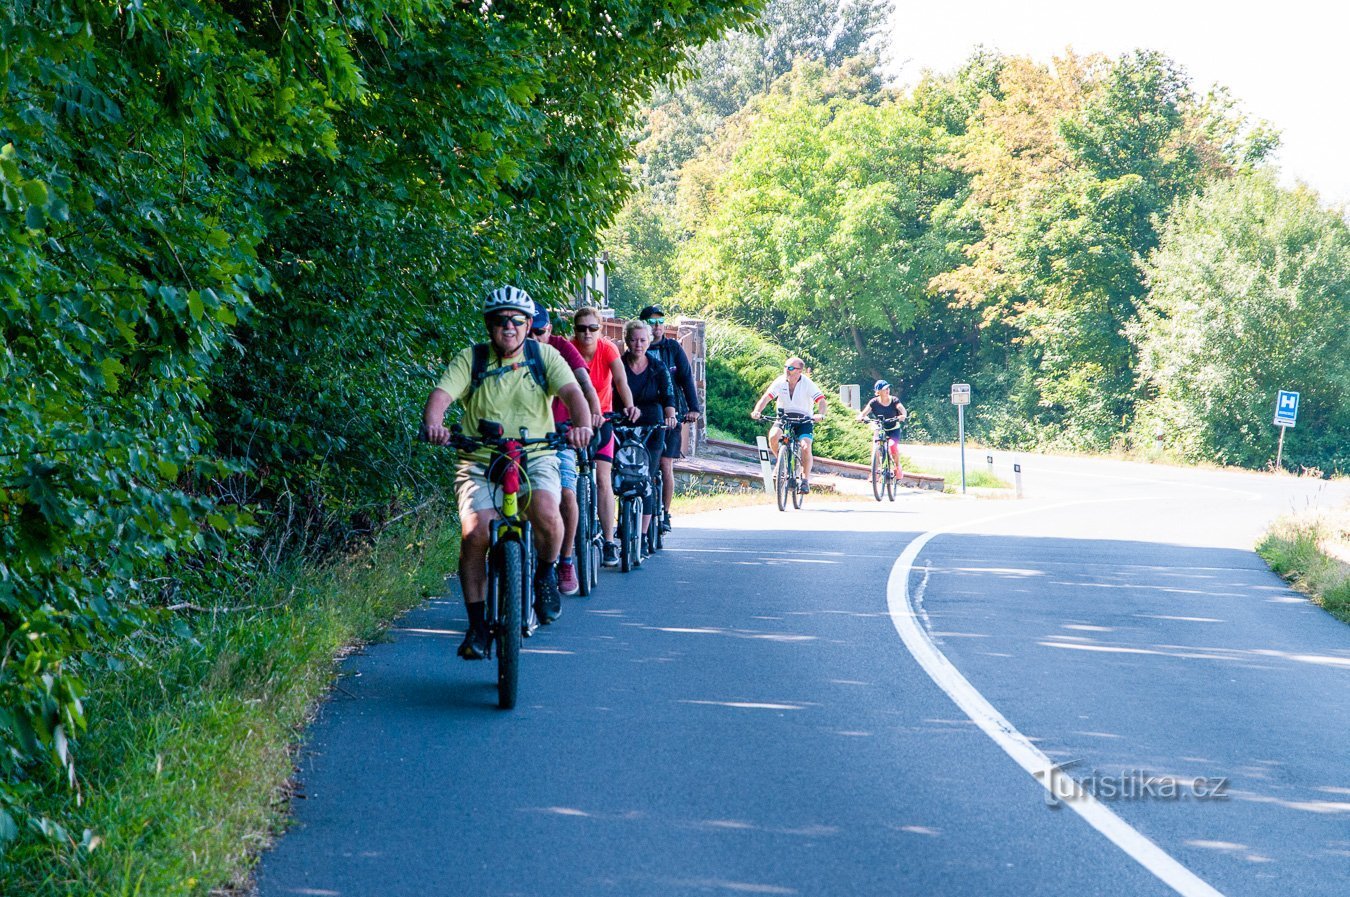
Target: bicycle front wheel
[629, 521]
[892, 481]
[798, 494]
[877, 472]
[585, 540]
[509, 572]
[782, 475]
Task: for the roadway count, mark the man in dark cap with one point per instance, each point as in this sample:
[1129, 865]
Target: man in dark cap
[687, 409]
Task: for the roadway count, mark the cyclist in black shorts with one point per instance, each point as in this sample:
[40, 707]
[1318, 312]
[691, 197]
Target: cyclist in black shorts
[672, 354]
[887, 411]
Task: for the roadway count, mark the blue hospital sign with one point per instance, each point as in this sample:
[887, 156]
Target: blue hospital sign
[1286, 408]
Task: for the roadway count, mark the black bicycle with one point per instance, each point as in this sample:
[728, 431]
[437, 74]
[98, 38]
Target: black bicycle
[509, 600]
[884, 480]
[632, 483]
[787, 480]
[590, 538]
[656, 540]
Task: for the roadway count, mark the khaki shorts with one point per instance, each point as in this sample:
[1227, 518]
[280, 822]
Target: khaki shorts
[475, 493]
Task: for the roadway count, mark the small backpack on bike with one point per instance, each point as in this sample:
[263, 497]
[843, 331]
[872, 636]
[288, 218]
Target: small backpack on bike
[534, 361]
[632, 474]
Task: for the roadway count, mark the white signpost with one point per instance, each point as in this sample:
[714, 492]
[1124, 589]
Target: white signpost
[961, 398]
[1286, 414]
[851, 395]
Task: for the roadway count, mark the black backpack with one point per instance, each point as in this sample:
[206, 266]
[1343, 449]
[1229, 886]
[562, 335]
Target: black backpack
[534, 360]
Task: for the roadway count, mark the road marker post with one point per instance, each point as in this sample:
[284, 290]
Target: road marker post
[989, 462]
[765, 463]
[1017, 475]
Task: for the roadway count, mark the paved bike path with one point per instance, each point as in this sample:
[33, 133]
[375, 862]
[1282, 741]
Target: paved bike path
[736, 717]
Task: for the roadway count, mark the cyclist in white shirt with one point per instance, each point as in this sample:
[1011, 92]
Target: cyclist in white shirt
[796, 394]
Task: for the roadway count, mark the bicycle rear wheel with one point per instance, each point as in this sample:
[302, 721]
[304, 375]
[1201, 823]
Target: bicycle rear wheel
[892, 481]
[781, 476]
[654, 536]
[585, 540]
[509, 571]
[878, 474]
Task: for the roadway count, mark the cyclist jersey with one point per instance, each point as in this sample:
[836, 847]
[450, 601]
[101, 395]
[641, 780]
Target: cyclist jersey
[602, 375]
[798, 400]
[508, 394]
[888, 415]
[652, 391]
[673, 356]
[574, 360]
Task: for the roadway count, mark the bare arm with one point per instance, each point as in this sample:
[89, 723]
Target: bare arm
[433, 417]
[763, 401]
[580, 434]
[621, 388]
[588, 390]
[821, 408]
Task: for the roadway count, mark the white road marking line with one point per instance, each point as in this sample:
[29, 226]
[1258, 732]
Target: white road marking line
[1016, 745]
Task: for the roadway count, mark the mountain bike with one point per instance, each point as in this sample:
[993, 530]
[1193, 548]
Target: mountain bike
[509, 607]
[590, 539]
[884, 479]
[632, 482]
[786, 479]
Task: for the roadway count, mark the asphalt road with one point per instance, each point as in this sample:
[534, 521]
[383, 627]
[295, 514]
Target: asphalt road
[742, 716]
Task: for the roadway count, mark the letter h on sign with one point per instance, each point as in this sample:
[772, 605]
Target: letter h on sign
[1286, 408]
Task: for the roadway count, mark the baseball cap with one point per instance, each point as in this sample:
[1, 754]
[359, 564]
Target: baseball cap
[651, 311]
[541, 319]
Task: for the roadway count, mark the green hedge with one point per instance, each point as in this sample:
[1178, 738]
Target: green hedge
[237, 247]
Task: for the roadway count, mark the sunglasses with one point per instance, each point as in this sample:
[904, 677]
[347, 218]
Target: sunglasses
[586, 328]
[501, 322]
[537, 331]
[791, 367]
[656, 322]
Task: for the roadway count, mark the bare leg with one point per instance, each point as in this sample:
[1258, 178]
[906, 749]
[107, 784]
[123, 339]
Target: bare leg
[667, 482]
[543, 512]
[604, 482]
[806, 459]
[473, 548]
[569, 520]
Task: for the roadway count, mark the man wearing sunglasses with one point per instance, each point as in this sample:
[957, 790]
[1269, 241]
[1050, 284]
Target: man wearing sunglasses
[514, 387]
[795, 393]
[673, 356]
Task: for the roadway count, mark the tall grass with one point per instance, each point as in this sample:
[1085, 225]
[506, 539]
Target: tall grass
[185, 778]
[1300, 549]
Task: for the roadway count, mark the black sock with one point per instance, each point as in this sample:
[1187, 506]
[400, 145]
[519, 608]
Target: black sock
[544, 568]
[477, 614]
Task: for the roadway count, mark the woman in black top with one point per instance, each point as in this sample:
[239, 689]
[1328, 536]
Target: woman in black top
[887, 411]
[653, 394]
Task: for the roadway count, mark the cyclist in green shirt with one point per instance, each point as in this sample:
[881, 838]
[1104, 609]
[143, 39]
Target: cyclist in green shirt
[514, 386]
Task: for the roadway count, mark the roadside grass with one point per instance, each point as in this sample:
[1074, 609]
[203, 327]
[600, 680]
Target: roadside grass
[1312, 551]
[975, 479]
[187, 767]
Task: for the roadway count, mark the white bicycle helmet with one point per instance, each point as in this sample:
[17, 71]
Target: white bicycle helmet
[509, 298]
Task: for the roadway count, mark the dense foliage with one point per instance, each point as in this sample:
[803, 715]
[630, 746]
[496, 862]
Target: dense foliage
[238, 239]
[1030, 229]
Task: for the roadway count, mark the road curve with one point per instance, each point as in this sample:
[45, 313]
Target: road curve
[741, 716]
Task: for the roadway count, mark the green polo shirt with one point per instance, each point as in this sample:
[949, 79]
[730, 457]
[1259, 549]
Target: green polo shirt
[513, 398]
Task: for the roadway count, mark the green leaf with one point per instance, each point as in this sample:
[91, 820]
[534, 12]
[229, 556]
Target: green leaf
[35, 192]
[195, 306]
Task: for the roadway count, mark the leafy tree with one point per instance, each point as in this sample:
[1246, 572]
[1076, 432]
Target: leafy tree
[237, 246]
[822, 228]
[1249, 294]
[744, 64]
